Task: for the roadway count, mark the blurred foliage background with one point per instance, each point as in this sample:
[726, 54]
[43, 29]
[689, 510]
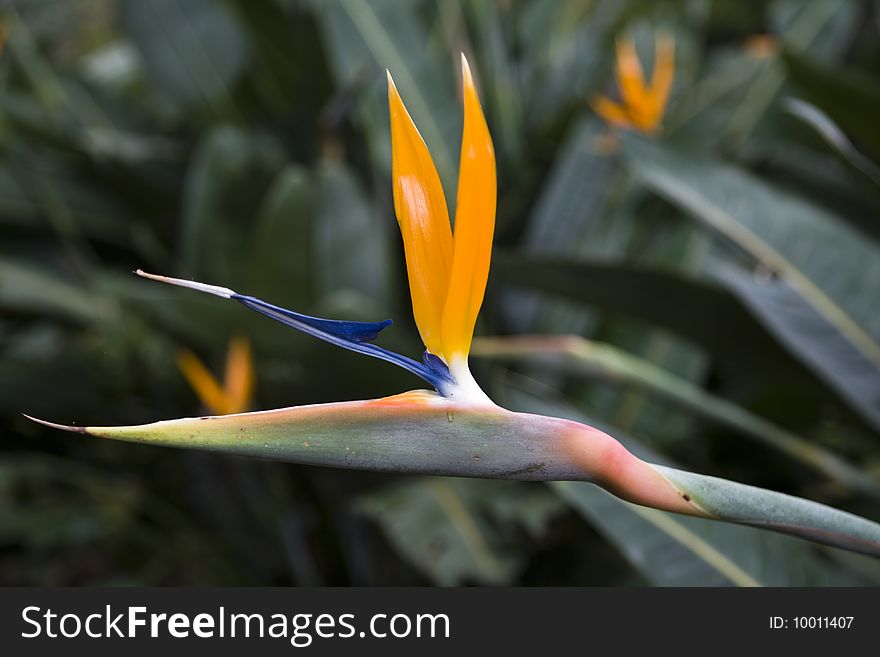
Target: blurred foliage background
[720, 283]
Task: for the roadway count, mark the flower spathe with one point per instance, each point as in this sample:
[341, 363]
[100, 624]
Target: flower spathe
[447, 272]
[641, 105]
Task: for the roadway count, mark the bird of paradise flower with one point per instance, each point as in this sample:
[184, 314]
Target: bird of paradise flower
[456, 429]
[236, 392]
[641, 105]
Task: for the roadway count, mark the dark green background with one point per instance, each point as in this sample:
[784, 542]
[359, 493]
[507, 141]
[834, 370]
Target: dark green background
[246, 144]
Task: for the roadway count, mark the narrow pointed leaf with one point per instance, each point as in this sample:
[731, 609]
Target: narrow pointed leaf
[850, 96]
[831, 134]
[828, 263]
[818, 258]
[812, 337]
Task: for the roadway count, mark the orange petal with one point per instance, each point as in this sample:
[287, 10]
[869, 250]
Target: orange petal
[203, 383]
[424, 222]
[629, 74]
[664, 71]
[239, 375]
[474, 225]
[612, 112]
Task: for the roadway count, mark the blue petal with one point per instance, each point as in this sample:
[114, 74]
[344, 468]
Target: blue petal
[436, 364]
[355, 336]
[344, 330]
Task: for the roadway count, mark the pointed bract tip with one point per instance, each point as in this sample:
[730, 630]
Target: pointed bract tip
[53, 425]
[394, 99]
[466, 70]
[224, 292]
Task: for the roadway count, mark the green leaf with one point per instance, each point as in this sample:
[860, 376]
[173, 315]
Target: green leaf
[731, 102]
[194, 51]
[596, 360]
[42, 194]
[851, 97]
[814, 339]
[228, 176]
[25, 287]
[365, 38]
[350, 239]
[808, 246]
[460, 531]
[281, 255]
[674, 550]
[749, 505]
[817, 26]
[824, 28]
[77, 506]
[502, 97]
[817, 256]
[723, 326]
[562, 71]
[832, 135]
[568, 218]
